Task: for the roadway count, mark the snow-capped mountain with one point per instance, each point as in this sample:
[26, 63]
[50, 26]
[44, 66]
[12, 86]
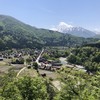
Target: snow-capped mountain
[97, 32]
[76, 31]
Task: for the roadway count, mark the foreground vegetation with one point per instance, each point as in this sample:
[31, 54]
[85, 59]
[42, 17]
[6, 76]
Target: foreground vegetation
[75, 85]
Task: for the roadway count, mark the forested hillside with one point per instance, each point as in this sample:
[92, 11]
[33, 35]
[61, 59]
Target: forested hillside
[87, 56]
[15, 34]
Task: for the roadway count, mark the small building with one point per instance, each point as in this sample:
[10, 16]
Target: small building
[48, 66]
[1, 59]
[56, 67]
[56, 64]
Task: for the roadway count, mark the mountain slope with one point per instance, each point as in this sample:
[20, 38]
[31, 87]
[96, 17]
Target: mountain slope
[76, 31]
[97, 36]
[16, 34]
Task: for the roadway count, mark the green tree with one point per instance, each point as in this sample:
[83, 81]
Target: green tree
[78, 85]
[29, 60]
[46, 56]
[32, 89]
[51, 90]
[35, 65]
[72, 59]
[11, 92]
[96, 58]
[67, 53]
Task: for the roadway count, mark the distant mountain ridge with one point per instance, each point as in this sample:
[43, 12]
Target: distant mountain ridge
[16, 34]
[76, 31]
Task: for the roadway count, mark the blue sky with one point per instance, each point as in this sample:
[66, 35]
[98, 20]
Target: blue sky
[48, 13]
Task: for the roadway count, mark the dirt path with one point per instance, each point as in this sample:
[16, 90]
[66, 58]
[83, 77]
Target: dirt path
[20, 71]
[57, 84]
[37, 60]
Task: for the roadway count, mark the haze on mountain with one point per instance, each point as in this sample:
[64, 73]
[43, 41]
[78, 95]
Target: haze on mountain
[76, 31]
[16, 34]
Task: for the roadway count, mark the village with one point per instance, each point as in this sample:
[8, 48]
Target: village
[17, 59]
[46, 60]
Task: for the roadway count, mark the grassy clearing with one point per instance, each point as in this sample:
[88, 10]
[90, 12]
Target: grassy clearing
[2, 63]
[28, 72]
[4, 67]
[49, 74]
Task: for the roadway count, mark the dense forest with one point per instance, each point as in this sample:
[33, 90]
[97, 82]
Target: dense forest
[15, 34]
[88, 56]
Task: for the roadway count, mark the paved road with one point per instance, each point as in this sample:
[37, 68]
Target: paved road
[37, 60]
